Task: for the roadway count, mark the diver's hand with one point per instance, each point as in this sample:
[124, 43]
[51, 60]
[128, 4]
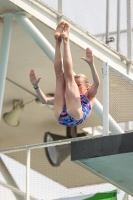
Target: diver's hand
[33, 79]
[89, 56]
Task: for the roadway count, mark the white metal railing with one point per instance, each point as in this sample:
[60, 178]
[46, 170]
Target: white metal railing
[27, 195]
[109, 124]
[105, 73]
[107, 35]
[28, 149]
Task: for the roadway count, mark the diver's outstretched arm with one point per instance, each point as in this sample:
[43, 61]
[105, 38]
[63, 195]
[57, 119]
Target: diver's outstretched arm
[43, 98]
[96, 81]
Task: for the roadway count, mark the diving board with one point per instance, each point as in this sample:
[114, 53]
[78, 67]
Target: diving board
[109, 157]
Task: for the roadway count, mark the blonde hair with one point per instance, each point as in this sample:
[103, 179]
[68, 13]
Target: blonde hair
[82, 77]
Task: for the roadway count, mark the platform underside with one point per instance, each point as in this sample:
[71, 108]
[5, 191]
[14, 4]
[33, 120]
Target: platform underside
[109, 157]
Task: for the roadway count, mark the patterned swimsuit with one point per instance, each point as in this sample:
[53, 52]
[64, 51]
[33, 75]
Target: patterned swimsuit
[66, 120]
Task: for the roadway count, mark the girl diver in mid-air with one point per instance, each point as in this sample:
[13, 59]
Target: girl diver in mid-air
[74, 96]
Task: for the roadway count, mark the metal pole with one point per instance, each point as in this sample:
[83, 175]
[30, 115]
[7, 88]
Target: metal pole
[28, 175]
[60, 10]
[105, 73]
[118, 25]
[4, 53]
[9, 178]
[60, 6]
[36, 35]
[129, 35]
[107, 21]
[111, 33]
[16, 191]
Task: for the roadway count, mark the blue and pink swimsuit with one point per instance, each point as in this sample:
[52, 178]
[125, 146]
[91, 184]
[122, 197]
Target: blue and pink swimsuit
[66, 120]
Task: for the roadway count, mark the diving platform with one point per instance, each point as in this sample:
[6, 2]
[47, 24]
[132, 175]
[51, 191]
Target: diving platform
[109, 157]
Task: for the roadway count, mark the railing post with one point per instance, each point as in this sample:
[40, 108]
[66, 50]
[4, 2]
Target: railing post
[4, 53]
[105, 74]
[28, 174]
[60, 6]
[129, 35]
[60, 10]
[107, 21]
[118, 25]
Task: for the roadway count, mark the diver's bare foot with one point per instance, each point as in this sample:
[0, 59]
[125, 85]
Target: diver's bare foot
[59, 30]
[65, 33]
